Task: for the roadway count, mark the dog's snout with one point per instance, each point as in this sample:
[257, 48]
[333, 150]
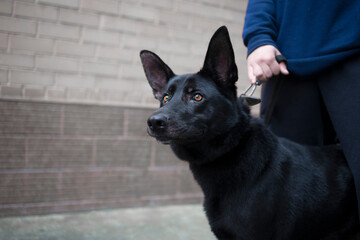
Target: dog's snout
[157, 121]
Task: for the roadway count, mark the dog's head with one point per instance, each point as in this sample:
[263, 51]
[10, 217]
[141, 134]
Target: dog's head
[194, 106]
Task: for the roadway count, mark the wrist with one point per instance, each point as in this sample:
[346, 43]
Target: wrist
[258, 41]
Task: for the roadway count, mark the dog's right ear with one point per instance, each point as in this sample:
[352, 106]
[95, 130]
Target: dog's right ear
[220, 59]
[156, 71]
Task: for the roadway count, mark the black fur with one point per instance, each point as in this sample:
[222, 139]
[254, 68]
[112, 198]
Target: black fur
[256, 185]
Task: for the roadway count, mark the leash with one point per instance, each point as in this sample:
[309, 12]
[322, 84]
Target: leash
[275, 94]
[251, 101]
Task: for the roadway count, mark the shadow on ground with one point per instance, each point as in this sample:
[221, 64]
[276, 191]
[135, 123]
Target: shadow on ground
[156, 223]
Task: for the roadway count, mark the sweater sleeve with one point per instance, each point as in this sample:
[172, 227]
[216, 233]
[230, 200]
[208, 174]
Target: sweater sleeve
[260, 25]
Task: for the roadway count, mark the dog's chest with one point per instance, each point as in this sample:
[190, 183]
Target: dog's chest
[235, 216]
[234, 207]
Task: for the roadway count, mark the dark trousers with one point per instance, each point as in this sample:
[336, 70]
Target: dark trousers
[320, 110]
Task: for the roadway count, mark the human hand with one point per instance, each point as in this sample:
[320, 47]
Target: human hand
[262, 65]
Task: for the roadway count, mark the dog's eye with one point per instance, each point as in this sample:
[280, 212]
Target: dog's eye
[166, 98]
[198, 97]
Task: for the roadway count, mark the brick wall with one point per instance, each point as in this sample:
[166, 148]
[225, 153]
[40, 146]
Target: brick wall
[88, 50]
[74, 99]
[62, 157]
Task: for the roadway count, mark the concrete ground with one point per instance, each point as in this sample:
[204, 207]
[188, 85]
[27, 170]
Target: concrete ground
[157, 223]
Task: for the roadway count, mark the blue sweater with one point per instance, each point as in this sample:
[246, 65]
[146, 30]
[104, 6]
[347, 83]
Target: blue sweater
[312, 34]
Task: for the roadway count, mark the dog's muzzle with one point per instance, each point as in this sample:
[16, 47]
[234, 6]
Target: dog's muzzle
[158, 122]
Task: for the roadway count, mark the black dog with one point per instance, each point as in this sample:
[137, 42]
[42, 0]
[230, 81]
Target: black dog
[256, 185]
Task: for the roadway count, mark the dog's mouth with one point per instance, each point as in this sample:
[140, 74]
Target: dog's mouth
[162, 127]
[164, 140]
[168, 136]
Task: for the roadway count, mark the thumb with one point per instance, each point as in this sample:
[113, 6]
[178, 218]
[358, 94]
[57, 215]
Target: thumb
[277, 52]
[283, 69]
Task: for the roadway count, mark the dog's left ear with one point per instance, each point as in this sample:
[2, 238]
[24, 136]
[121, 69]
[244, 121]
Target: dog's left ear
[220, 59]
[156, 71]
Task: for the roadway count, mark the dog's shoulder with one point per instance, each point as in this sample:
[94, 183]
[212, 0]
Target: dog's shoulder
[242, 106]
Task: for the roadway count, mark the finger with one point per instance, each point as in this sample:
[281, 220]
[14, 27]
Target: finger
[258, 73]
[282, 65]
[267, 71]
[283, 69]
[251, 75]
[275, 68]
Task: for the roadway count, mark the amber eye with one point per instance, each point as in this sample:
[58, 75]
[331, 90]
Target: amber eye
[198, 97]
[166, 98]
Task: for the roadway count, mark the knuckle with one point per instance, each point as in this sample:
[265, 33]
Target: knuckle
[257, 72]
[266, 59]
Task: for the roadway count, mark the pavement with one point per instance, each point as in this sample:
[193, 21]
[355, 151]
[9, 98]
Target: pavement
[187, 222]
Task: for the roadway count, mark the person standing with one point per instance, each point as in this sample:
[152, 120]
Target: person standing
[318, 101]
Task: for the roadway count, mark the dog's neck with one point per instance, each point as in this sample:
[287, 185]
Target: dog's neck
[208, 150]
[240, 164]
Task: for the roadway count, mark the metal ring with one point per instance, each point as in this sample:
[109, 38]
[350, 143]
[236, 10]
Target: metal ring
[280, 59]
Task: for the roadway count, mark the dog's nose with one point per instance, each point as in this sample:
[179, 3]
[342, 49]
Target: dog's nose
[157, 121]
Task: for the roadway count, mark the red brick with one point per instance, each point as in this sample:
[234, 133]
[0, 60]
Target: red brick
[77, 186]
[157, 183]
[28, 187]
[137, 121]
[29, 118]
[113, 185]
[93, 120]
[123, 153]
[59, 153]
[12, 153]
[188, 183]
[165, 157]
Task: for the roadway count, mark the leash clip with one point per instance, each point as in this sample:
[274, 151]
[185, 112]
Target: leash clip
[249, 99]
